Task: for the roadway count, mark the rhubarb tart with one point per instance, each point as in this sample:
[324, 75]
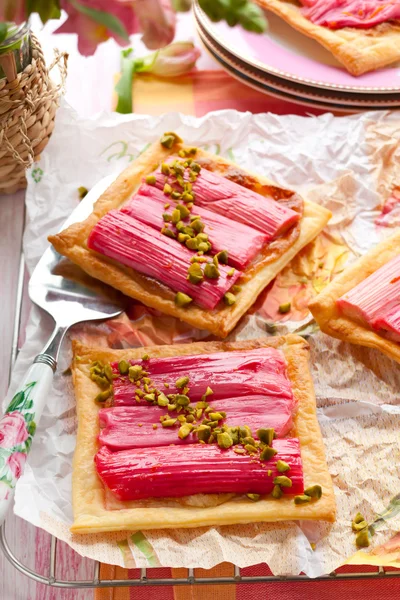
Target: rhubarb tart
[191, 234]
[362, 304]
[197, 434]
[363, 35]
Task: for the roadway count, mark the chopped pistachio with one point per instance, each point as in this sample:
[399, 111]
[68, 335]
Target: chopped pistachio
[139, 393]
[195, 273]
[182, 419]
[184, 212]
[135, 373]
[277, 492]
[167, 190]
[198, 226]
[150, 397]
[155, 426]
[193, 176]
[249, 440]
[165, 170]
[189, 231]
[266, 435]
[145, 357]
[269, 472]
[166, 384]
[239, 450]
[231, 273]
[182, 400]
[175, 195]
[229, 299]
[168, 232]
[284, 308]
[357, 521]
[314, 491]
[282, 467]
[363, 538]
[169, 422]
[236, 289]
[181, 382]
[123, 367]
[208, 392]
[183, 237]
[185, 430]
[224, 440]
[187, 197]
[216, 416]
[283, 481]
[222, 257]
[192, 244]
[267, 453]
[194, 217]
[162, 399]
[203, 432]
[146, 380]
[102, 382]
[301, 499]
[176, 216]
[182, 299]
[190, 418]
[169, 139]
[167, 205]
[244, 431]
[203, 237]
[254, 497]
[171, 407]
[211, 271]
[195, 167]
[108, 373]
[250, 448]
[151, 180]
[167, 218]
[205, 247]
[103, 396]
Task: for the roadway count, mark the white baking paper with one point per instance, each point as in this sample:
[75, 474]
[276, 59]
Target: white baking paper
[339, 162]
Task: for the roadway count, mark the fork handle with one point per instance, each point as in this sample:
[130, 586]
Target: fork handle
[18, 425]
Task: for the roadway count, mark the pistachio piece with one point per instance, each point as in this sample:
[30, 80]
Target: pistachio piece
[149, 397]
[151, 180]
[208, 392]
[203, 237]
[169, 422]
[167, 190]
[184, 212]
[195, 273]
[222, 257]
[175, 195]
[176, 216]
[182, 299]
[167, 205]
[185, 430]
[229, 299]
[277, 492]
[169, 139]
[103, 396]
[267, 453]
[282, 467]
[165, 170]
[249, 440]
[266, 435]
[203, 432]
[284, 308]
[145, 357]
[211, 271]
[155, 426]
[302, 499]
[187, 197]
[195, 167]
[167, 218]
[314, 491]
[192, 244]
[162, 400]
[182, 400]
[224, 440]
[244, 431]
[359, 526]
[168, 232]
[190, 418]
[250, 448]
[198, 226]
[231, 273]
[108, 373]
[102, 382]
[254, 497]
[171, 407]
[236, 288]
[269, 472]
[135, 373]
[239, 450]
[183, 237]
[283, 481]
[205, 247]
[363, 538]
[181, 382]
[216, 416]
[123, 367]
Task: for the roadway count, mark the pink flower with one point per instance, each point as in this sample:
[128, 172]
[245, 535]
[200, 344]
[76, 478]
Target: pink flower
[12, 430]
[155, 18]
[16, 463]
[174, 60]
[13, 10]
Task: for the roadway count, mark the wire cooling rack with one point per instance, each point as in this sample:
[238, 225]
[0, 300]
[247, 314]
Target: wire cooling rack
[146, 575]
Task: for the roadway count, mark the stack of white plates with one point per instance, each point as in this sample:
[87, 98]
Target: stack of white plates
[287, 64]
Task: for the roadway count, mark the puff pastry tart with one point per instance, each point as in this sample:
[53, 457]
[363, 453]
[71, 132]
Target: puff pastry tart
[362, 35]
[191, 234]
[362, 304]
[197, 434]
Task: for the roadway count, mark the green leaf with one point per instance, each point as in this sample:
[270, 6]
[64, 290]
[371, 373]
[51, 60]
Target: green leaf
[32, 428]
[124, 86]
[3, 31]
[103, 18]
[392, 510]
[17, 402]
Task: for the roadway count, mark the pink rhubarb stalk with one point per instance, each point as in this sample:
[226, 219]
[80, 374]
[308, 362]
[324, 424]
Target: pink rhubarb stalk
[126, 427]
[220, 195]
[134, 244]
[376, 300]
[242, 242]
[228, 374]
[174, 471]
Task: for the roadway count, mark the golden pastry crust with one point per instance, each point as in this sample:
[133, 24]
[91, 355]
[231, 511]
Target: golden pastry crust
[325, 310]
[72, 243]
[359, 50]
[89, 497]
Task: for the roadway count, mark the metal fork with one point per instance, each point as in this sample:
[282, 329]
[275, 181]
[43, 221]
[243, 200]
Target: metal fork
[56, 287]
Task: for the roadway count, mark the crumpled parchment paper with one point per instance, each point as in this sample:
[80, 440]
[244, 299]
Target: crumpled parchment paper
[348, 164]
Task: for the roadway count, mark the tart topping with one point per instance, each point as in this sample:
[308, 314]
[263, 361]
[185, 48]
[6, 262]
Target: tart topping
[337, 14]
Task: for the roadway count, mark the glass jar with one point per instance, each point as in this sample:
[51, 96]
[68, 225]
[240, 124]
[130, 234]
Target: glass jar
[15, 50]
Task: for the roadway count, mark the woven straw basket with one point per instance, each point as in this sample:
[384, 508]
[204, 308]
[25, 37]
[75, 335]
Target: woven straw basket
[28, 104]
